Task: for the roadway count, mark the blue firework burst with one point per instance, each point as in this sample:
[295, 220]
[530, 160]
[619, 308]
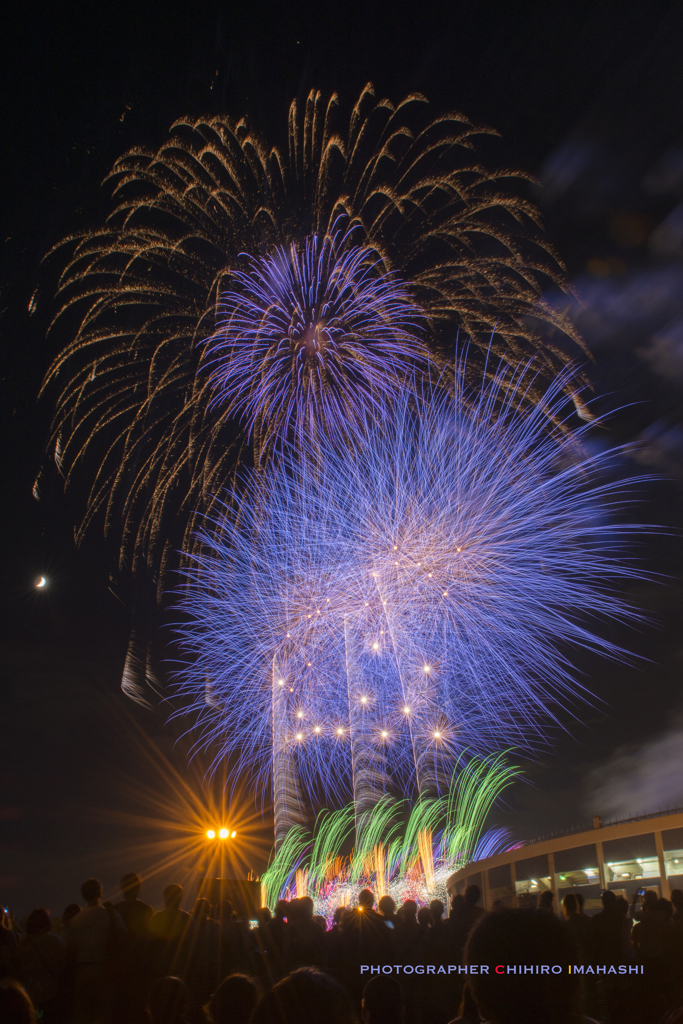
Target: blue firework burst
[369, 614]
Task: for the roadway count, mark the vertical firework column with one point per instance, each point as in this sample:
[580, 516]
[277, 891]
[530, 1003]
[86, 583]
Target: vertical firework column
[287, 807]
[384, 660]
[415, 719]
[365, 665]
[386, 720]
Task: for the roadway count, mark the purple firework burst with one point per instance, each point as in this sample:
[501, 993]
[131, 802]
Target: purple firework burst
[313, 339]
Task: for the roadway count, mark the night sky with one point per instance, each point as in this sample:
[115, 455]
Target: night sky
[588, 98]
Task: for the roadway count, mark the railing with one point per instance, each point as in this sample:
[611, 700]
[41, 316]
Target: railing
[588, 827]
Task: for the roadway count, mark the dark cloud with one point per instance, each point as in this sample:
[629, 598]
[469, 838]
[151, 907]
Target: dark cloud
[664, 351]
[640, 779]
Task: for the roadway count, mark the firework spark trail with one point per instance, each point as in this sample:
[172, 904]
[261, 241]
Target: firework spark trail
[144, 408]
[464, 548]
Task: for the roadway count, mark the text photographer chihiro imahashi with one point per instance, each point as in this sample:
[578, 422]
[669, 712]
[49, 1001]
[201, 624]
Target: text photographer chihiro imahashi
[519, 969]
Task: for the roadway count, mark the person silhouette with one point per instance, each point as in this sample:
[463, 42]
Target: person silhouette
[383, 1001]
[135, 914]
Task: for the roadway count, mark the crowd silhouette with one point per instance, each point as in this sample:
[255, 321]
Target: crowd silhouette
[124, 963]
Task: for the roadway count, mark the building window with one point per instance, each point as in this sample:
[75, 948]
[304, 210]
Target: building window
[630, 860]
[577, 868]
[672, 841]
[532, 876]
[500, 885]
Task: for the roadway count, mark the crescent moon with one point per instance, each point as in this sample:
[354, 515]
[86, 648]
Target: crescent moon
[41, 582]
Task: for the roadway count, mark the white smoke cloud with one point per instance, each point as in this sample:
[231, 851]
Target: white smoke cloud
[641, 780]
[619, 311]
[660, 448]
[667, 238]
[664, 351]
